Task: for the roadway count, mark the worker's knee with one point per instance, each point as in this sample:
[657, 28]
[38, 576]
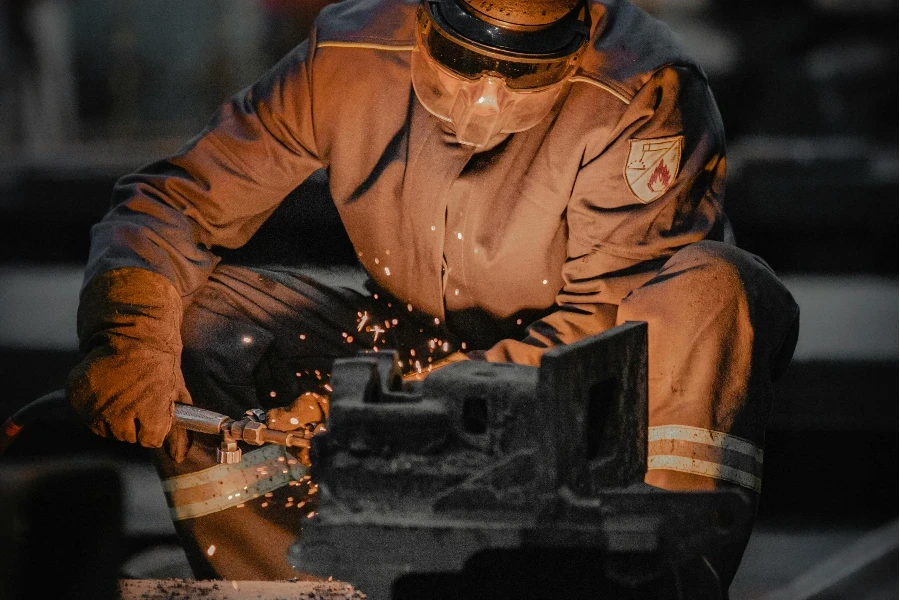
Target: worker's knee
[721, 269]
[221, 351]
[710, 276]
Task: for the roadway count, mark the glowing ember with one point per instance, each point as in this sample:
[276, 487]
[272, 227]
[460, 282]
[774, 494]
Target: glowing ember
[302, 336]
[437, 321]
[272, 394]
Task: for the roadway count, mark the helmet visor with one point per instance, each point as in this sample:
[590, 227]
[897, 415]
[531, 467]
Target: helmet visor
[471, 60]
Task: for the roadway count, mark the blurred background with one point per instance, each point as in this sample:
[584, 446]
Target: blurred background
[91, 90]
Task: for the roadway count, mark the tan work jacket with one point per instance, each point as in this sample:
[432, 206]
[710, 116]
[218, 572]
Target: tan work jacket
[526, 241]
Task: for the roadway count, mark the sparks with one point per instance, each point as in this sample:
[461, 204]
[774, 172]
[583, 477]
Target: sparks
[302, 336]
[211, 550]
[362, 321]
[328, 387]
[376, 261]
[247, 339]
[387, 271]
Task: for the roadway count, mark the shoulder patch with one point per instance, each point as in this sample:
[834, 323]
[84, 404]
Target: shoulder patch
[653, 166]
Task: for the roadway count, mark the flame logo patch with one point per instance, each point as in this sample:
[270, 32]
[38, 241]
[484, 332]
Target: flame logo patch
[653, 166]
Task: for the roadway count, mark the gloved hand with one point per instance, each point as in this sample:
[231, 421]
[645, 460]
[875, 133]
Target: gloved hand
[126, 386]
[308, 409]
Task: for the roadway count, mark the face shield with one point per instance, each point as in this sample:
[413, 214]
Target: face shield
[482, 92]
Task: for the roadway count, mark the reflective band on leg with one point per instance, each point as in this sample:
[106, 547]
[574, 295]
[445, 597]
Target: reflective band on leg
[225, 486]
[705, 436]
[705, 468]
[705, 452]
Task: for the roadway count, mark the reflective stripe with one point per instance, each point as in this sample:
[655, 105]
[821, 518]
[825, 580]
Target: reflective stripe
[705, 436]
[225, 486]
[602, 86]
[705, 468]
[364, 45]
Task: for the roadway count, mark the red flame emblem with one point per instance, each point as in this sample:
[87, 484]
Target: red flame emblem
[660, 176]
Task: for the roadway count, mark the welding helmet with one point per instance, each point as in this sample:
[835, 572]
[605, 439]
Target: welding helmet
[490, 67]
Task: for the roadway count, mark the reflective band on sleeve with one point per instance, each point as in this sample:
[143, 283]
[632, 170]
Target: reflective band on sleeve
[225, 486]
[705, 452]
[705, 436]
[705, 468]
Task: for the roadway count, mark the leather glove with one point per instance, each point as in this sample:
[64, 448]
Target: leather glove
[129, 323]
[308, 409]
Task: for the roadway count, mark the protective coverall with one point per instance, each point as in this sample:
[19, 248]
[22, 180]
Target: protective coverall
[610, 209]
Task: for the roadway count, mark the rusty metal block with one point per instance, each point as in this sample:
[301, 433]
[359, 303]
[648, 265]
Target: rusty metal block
[498, 480]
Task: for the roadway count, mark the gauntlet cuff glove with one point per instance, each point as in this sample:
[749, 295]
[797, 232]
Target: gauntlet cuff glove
[126, 386]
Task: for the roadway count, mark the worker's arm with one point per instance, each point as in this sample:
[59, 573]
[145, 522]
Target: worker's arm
[156, 247]
[621, 233]
[219, 188]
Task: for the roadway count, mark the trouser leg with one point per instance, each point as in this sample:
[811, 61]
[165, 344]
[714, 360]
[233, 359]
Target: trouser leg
[721, 328]
[254, 338]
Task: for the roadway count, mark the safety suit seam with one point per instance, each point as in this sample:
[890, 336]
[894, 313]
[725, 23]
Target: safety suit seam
[618, 93]
[369, 44]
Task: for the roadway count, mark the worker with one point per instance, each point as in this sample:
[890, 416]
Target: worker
[513, 175]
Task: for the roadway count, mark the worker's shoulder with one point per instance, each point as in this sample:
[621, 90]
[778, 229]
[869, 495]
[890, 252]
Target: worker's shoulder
[627, 48]
[367, 24]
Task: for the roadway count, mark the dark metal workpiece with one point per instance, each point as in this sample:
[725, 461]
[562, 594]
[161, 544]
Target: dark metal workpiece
[504, 481]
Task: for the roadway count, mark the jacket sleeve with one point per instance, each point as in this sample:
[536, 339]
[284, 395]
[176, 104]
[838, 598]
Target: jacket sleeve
[627, 214]
[219, 188]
